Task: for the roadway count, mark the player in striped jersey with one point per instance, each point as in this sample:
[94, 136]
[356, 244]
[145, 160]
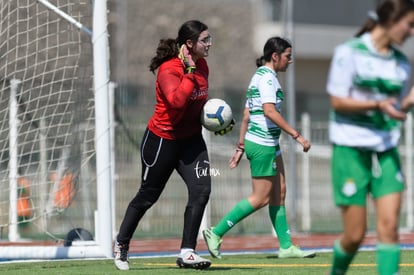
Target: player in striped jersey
[260, 130]
[370, 91]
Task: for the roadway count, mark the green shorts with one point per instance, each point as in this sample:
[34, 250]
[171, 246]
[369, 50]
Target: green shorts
[356, 173]
[262, 158]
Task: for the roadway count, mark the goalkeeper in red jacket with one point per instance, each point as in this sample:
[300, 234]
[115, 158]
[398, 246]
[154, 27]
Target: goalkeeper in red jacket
[173, 140]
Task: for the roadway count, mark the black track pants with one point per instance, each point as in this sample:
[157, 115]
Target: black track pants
[159, 159]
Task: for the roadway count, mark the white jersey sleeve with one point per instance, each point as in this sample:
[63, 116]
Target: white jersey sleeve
[341, 72]
[267, 85]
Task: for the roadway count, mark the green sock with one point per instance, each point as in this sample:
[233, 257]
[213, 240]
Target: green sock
[341, 259]
[277, 216]
[388, 258]
[242, 209]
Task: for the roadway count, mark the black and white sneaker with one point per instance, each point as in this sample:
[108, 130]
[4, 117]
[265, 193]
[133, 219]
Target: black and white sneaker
[121, 256]
[190, 259]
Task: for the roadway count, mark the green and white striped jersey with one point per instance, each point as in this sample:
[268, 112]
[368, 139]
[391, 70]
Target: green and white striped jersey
[263, 88]
[360, 72]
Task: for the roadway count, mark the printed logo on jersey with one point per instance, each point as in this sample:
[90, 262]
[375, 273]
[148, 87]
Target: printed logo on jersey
[198, 94]
[349, 188]
[369, 66]
[340, 61]
[270, 82]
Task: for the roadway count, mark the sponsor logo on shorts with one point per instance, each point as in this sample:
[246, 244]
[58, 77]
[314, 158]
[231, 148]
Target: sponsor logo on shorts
[349, 188]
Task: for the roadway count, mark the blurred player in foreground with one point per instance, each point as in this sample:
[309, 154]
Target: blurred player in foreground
[173, 140]
[368, 85]
[259, 135]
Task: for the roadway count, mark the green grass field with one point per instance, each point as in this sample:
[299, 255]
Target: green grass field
[364, 264]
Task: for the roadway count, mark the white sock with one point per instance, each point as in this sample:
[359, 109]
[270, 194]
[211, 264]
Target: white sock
[185, 250]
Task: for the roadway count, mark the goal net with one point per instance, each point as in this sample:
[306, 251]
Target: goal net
[47, 131]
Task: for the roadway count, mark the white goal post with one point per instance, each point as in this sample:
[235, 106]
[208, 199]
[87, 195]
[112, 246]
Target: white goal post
[55, 143]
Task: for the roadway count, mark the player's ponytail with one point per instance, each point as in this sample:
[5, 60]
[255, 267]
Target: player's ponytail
[167, 49]
[387, 13]
[260, 61]
[369, 24]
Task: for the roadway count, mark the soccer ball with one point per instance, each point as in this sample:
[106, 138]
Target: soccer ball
[216, 115]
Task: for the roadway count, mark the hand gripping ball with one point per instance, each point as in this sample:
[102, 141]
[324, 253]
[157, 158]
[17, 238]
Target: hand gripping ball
[216, 115]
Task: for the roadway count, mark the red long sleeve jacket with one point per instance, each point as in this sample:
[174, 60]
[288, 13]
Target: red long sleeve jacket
[179, 100]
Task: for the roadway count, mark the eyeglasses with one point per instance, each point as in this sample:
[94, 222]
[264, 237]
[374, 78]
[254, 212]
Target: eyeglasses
[206, 40]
